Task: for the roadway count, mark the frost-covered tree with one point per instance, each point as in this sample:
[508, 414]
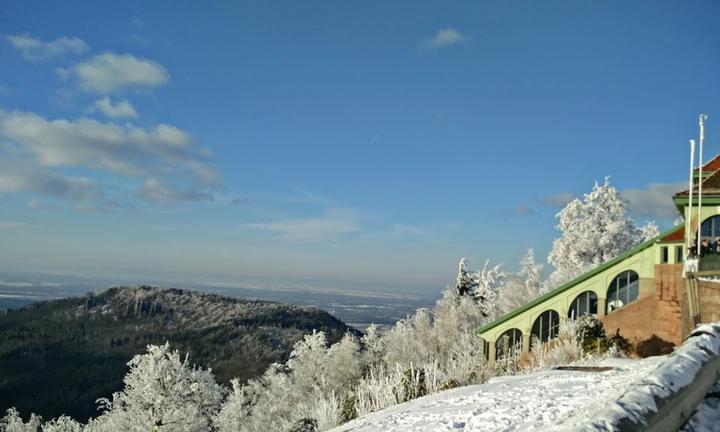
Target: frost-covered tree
[373, 347]
[594, 230]
[531, 271]
[13, 423]
[308, 389]
[482, 286]
[488, 282]
[465, 283]
[523, 286]
[162, 393]
[62, 424]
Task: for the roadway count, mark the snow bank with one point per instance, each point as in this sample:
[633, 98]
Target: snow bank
[655, 391]
[524, 402]
[649, 399]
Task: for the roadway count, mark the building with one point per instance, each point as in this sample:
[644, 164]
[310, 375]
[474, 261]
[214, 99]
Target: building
[641, 294]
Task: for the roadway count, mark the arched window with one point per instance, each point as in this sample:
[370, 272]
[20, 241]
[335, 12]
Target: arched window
[545, 327]
[509, 344]
[710, 228]
[584, 304]
[624, 289]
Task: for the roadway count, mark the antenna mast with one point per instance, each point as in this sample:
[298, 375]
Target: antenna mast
[702, 119]
[688, 222]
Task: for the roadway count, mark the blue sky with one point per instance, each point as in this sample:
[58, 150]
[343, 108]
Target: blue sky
[372, 143]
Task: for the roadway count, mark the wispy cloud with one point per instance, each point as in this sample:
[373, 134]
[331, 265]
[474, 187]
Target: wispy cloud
[523, 210]
[333, 224]
[156, 191]
[443, 38]
[239, 201]
[8, 225]
[110, 72]
[120, 109]
[402, 230]
[34, 203]
[27, 178]
[36, 50]
[6, 90]
[655, 200]
[557, 200]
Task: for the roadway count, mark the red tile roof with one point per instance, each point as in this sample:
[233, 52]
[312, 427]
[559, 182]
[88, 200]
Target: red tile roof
[711, 186]
[712, 165]
[675, 236]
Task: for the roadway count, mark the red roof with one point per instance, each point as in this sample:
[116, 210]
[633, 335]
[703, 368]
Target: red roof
[712, 165]
[675, 236]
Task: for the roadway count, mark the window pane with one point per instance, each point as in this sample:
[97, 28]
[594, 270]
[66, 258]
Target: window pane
[634, 291]
[593, 304]
[583, 300]
[705, 229]
[611, 299]
[679, 254]
[633, 276]
[573, 312]
[623, 295]
[622, 280]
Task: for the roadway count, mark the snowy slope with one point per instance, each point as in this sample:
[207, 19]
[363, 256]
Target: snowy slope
[526, 402]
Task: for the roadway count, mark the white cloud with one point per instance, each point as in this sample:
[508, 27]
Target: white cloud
[7, 225]
[36, 50]
[443, 38]
[331, 225]
[156, 191]
[655, 200]
[110, 72]
[121, 109]
[128, 150]
[34, 151]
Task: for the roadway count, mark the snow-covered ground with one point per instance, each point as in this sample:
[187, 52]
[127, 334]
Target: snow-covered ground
[534, 401]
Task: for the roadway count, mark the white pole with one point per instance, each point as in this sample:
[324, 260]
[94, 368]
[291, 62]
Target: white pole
[691, 184]
[700, 179]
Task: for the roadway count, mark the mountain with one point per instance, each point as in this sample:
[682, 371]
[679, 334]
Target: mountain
[57, 357]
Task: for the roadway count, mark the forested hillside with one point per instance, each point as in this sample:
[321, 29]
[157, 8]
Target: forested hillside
[60, 356]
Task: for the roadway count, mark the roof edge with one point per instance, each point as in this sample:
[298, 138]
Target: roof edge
[566, 286]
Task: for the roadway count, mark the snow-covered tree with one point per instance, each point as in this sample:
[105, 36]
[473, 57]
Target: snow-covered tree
[488, 282]
[62, 424]
[531, 271]
[594, 230]
[13, 423]
[523, 286]
[482, 286]
[309, 388]
[162, 393]
[465, 283]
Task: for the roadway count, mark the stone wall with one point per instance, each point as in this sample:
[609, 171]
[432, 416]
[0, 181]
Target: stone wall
[709, 293]
[654, 323]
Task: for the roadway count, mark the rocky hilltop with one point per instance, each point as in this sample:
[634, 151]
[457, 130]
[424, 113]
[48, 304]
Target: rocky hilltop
[60, 356]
